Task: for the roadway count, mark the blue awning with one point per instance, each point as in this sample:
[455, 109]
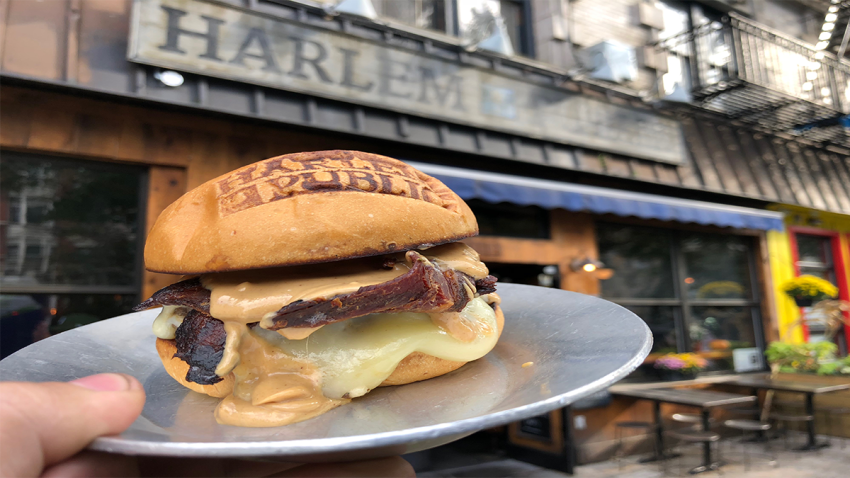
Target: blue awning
[495, 188]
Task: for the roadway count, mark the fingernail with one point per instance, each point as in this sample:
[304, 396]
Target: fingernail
[106, 382]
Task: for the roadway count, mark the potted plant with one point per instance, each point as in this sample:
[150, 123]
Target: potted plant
[817, 357]
[806, 290]
[680, 366]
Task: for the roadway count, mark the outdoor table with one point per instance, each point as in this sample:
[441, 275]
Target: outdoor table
[705, 400]
[810, 389]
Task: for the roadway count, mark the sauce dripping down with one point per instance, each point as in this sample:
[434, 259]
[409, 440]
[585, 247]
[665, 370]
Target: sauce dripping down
[272, 388]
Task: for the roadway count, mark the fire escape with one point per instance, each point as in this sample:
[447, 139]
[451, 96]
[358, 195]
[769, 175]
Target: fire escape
[755, 75]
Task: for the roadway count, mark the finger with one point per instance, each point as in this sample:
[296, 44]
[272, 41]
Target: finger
[163, 467]
[42, 424]
[92, 464]
[391, 467]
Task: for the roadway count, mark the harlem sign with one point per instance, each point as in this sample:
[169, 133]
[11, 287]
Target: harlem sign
[237, 44]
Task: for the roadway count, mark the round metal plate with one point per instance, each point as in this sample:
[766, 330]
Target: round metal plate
[577, 345]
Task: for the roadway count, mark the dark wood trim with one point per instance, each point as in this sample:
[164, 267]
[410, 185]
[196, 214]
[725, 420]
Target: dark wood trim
[555, 445]
[72, 42]
[764, 277]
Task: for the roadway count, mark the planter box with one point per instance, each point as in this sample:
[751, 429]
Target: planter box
[826, 424]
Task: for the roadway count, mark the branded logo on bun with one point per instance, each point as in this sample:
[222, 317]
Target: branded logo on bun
[312, 278]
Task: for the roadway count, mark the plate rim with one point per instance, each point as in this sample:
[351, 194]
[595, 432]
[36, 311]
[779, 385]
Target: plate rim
[321, 446]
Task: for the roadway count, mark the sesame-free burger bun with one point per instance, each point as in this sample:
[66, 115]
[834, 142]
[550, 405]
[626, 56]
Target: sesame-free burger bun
[305, 208]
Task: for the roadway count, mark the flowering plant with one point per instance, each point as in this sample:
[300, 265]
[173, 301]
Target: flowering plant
[809, 287]
[687, 363]
[818, 357]
[721, 289]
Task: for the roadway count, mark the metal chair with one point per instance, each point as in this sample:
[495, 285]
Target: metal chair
[754, 427]
[785, 418]
[694, 420]
[691, 436]
[619, 430]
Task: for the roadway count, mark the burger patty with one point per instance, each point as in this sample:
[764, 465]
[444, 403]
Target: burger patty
[424, 288]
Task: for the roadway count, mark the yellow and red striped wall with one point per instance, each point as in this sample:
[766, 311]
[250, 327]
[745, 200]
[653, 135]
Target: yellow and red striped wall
[782, 248]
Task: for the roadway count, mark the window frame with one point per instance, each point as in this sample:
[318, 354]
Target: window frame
[681, 304]
[135, 287]
[837, 263]
[526, 40]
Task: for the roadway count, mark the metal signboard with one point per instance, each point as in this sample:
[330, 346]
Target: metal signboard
[238, 44]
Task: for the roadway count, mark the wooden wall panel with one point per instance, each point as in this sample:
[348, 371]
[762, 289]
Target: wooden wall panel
[97, 135]
[4, 16]
[52, 129]
[165, 185]
[516, 251]
[35, 38]
[575, 237]
[15, 122]
[104, 26]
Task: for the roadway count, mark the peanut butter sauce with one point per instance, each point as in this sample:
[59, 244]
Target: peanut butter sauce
[272, 388]
[458, 256]
[297, 333]
[251, 296]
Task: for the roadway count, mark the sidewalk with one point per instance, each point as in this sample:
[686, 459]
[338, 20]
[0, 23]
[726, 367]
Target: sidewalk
[833, 462]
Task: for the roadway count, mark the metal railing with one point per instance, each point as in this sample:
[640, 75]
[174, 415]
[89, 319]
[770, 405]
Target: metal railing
[748, 71]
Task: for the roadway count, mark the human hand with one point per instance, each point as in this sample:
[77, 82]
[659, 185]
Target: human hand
[44, 428]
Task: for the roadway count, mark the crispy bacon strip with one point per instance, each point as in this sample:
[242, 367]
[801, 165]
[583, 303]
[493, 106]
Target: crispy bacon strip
[188, 293]
[424, 288]
[200, 343]
[486, 285]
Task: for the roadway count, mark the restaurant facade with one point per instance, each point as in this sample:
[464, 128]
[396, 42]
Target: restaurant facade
[665, 182]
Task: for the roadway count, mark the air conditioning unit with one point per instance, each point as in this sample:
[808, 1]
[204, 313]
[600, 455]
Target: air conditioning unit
[611, 61]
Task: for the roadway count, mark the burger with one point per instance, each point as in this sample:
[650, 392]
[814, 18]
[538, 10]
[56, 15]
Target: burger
[310, 279]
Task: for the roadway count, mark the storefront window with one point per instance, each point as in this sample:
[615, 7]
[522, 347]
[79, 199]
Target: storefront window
[710, 278]
[694, 290]
[642, 261]
[662, 324]
[510, 220]
[472, 20]
[815, 256]
[69, 244]
[430, 14]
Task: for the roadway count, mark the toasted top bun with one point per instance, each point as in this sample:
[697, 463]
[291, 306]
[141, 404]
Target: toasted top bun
[305, 208]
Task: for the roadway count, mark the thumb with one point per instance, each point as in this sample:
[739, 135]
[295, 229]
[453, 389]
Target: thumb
[44, 423]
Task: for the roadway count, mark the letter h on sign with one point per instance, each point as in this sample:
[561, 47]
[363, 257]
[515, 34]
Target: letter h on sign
[174, 31]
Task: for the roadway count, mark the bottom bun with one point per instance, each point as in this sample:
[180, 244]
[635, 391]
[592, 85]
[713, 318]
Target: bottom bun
[414, 368]
[178, 369]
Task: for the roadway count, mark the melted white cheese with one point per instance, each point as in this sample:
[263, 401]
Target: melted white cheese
[356, 355]
[168, 320]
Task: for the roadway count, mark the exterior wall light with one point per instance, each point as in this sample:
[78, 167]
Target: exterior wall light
[591, 266]
[585, 264]
[169, 78]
